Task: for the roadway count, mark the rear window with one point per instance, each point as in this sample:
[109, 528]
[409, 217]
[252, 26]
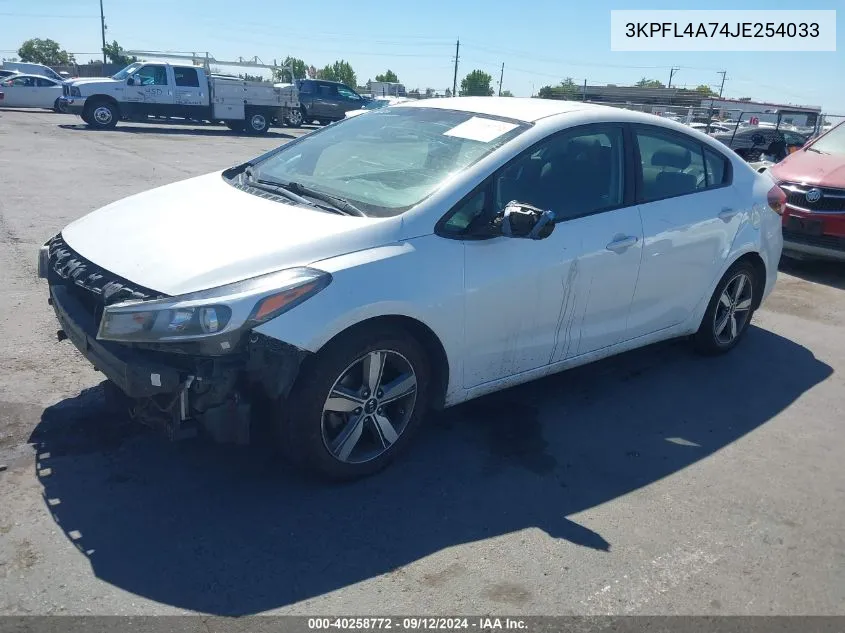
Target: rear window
[718, 168]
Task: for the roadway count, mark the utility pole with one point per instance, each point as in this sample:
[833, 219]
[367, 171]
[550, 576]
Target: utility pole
[722, 87]
[672, 72]
[103, 30]
[455, 79]
[501, 78]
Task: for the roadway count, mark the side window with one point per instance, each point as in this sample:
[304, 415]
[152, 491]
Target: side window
[324, 90]
[466, 211]
[306, 87]
[671, 165]
[152, 75]
[44, 83]
[24, 82]
[718, 168]
[346, 93]
[573, 174]
[186, 77]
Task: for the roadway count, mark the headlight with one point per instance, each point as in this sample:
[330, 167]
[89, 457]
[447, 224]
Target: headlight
[208, 313]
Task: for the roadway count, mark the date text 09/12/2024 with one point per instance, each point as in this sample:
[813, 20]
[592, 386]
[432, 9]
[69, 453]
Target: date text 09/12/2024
[417, 624]
[722, 29]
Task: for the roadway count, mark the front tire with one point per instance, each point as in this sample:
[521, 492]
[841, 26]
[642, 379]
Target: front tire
[295, 118]
[729, 312]
[102, 115]
[58, 107]
[357, 403]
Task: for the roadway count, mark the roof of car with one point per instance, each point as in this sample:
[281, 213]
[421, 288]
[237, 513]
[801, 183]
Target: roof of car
[23, 75]
[526, 109]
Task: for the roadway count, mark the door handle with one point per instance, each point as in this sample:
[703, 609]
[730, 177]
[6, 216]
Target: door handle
[727, 214]
[622, 242]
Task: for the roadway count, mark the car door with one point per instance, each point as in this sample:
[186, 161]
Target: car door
[529, 303]
[151, 90]
[348, 100]
[47, 91]
[189, 96]
[322, 106]
[690, 214]
[20, 92]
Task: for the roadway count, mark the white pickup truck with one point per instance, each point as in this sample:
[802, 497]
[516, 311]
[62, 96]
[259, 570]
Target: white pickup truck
[182, 91]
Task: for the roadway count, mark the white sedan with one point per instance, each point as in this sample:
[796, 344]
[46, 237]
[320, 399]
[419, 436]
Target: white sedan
[417, 257]
[30, 91]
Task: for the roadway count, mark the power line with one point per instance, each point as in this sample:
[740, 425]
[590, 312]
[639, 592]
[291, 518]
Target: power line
[47, 15]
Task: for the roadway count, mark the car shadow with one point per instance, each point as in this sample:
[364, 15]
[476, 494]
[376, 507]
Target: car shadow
[171, 129]
[234, 532]
[819, 271]
[28, 110]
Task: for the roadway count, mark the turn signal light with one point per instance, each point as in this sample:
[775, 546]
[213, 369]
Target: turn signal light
[776, 199]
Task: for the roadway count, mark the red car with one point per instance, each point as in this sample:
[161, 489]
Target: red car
[813, 179]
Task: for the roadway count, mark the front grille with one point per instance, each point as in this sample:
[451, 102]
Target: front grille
[92, 285]
[822, 241]
[831, 200]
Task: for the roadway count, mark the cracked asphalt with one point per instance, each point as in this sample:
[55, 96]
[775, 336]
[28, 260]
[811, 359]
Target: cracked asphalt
[653, 483]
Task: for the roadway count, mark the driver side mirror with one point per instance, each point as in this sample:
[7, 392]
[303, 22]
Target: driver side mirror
[130, 81]
[522, 220]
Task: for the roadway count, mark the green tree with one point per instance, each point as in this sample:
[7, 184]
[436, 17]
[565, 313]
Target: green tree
[116, 55]
[297, 66]
[507, 93]
[389, 77]
[476, 84]
[339, 71]
[705, 89]
[650, 83]
[47, 52]
[566, 89]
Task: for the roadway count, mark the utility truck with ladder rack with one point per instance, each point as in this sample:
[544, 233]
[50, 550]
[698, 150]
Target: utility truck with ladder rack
[183, 90]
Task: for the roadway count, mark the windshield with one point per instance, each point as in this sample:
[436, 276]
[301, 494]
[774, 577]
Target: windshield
[390, 160]
[833, 142]
[123, 74]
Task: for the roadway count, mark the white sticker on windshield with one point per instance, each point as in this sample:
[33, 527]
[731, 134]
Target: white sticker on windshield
[482, 130]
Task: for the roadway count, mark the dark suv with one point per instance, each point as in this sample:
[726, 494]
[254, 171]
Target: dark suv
[326, 101]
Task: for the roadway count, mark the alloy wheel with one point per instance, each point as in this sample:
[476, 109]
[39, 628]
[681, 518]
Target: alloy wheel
[369, 406]
[733, 309]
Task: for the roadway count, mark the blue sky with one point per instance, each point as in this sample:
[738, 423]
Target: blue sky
[540, 42]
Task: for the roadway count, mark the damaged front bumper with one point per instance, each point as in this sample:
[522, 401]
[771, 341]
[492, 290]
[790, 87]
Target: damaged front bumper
[179, 392]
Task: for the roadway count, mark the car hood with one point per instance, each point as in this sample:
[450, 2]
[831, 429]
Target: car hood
[812, 168]
[92, 80]
[203, 232]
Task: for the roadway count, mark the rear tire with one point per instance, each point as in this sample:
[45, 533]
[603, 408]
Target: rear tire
[729, 312]
[58, 107]
[257, 122]
[379, 424]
